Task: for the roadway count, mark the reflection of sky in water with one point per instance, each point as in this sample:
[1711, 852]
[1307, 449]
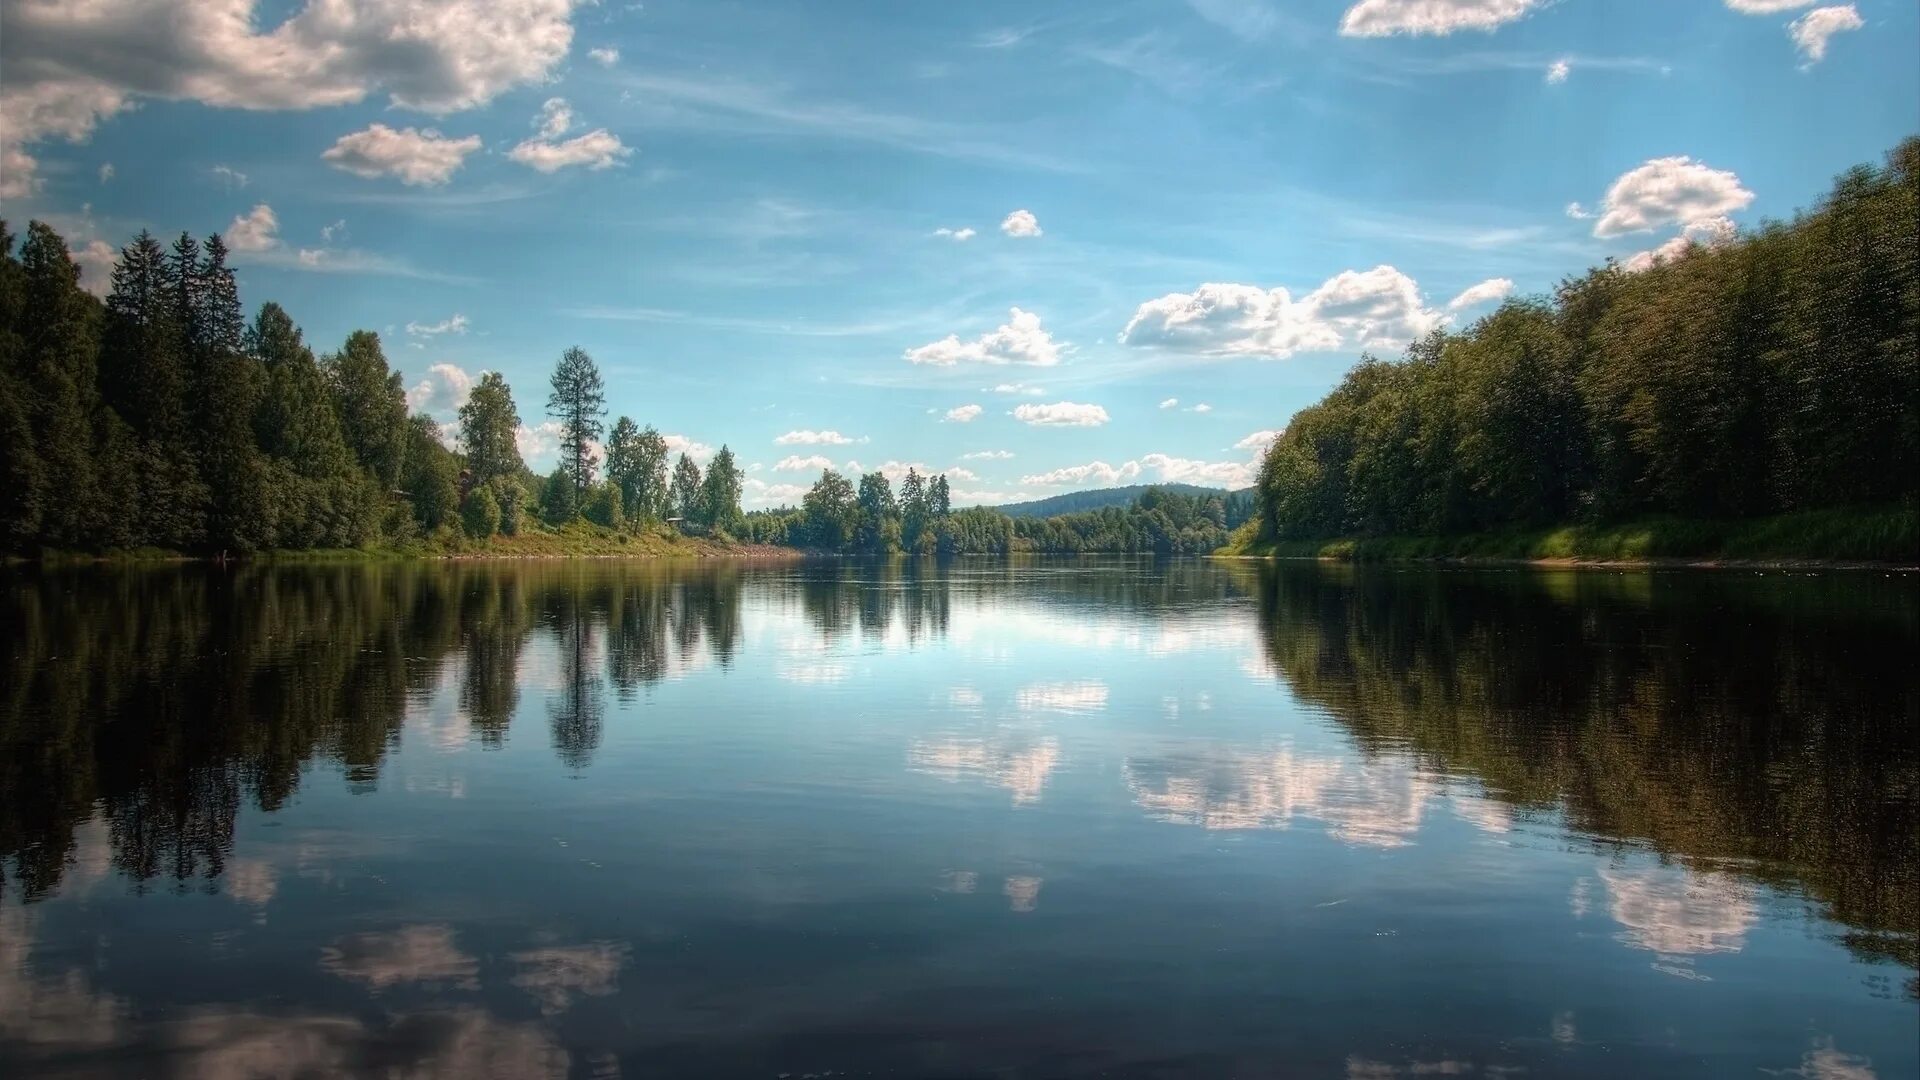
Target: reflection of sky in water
[1046, 802]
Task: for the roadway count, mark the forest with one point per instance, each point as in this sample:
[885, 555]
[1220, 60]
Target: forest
[160, 419]
[1777, 373]
[870, 519]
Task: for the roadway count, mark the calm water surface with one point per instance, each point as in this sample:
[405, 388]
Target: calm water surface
[1040, 819]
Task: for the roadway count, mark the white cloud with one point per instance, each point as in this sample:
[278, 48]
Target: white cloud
[445, 389]
[796, 463]
[1016, 388]
[106, 172]
[1558, 71]
[1021, 223]
[759, 493]
[987, 455]
[1258, 442]
[537, 444]
[1669, 191]
[1811, 31]
[69, 66]
[454, 324]
[681, 444]
[256, 230]
[1158, 468]
[960, 235]
[230, 176]
[964, 414]
[597, 149]
[1578, 212]
[1766, 7]
[1021, 340]
[605, 55]
[1061, 414]
[813, 438]
[1709, 233]
[555, 119]
[1170, 403]
[95, 260]
[335, 231]
[896, 471]
[1377, 308]
[1485, 292]
[1202, 407]
[1378, 18]
[419, 157]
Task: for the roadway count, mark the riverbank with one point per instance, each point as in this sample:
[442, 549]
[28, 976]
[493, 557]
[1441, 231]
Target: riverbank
[580, 540]
[1822, 538]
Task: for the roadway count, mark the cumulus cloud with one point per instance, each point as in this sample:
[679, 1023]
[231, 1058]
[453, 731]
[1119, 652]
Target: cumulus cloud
[605, 55]
[1258, 442]
[1811, 31]
[896, 471]
[1160, 468]
[230, 176]
[1709, 233]
[1379, 18]
[1202, 407]
[960, 235]
[1377, 308]
[1021, 223]
[681, 444]
[445, 389]
[453, 324]
[95, 259]
[69, 66]
[1558, 71]
[1061, 414]
[555, 119]
[1578, 212]
[1485, 292]
[796, 463]
[813, 438]
[418, 157]
[1669, 191]
[1766, 7]
[1016, 388]
[106, 172]
[597, 149]
[964, 414]
[256, 230]
[1170, 403]
[1021, 340]
[987, 455]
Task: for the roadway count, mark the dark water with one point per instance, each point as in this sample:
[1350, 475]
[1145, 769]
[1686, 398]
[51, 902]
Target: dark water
[1051, 819]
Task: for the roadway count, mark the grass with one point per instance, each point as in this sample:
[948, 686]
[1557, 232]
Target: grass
[1872, 534]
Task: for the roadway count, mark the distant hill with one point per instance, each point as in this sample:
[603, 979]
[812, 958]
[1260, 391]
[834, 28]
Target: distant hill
[1074, 502]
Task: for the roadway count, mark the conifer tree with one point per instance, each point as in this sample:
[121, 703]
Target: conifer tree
[489, 431]
[685, 493]
[579, 403]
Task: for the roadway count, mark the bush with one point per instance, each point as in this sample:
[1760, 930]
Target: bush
[481, 514]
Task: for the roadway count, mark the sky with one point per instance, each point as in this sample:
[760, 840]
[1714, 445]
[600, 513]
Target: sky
[1041, 247]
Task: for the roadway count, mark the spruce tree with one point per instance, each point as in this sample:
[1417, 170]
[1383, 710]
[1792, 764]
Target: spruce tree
[60, 362]
[579, 403]
[489, 430]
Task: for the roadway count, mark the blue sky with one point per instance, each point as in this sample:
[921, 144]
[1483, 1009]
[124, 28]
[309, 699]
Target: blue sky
[1167, 225]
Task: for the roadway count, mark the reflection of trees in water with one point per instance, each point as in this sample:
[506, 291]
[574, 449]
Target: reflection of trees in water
[1764, 727]
[164, 700]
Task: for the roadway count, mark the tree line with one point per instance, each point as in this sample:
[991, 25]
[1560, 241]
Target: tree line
[161, 418]
[1775, 373]
[871, 519]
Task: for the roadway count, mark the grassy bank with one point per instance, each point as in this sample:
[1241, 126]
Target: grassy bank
[580, 540]
[1887, 535]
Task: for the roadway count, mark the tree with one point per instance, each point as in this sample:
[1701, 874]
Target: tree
[720, 491]
[480, 514]
[432, 479]
[685, 493]
[620, 460]
[603, 506]
[831, 511]
[879, 516]
[59, 362]
[558, 502]
[939, 497]
[579, 403]
[319, 497]
[226, 387]
[489, 430]
[372, 405]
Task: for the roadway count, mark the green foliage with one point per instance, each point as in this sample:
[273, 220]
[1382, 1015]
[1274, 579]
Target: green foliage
[603, 506]
[579, 403]
[489, 428]
[480, 514]
[1779, 373]
[559, 503]
[720, 492]
[684, 495]
[372, 406]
